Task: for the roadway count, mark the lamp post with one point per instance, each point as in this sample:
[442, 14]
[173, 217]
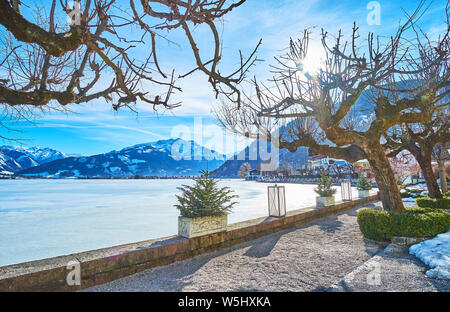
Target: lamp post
[276, 201]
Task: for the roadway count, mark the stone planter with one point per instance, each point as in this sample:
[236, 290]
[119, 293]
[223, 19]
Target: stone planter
[324, 201]
[193, 227]
[363, 193]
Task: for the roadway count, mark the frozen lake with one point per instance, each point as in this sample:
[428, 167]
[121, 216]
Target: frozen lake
[47, 218]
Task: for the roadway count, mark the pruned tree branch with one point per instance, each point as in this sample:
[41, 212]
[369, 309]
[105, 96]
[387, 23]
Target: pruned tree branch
[101, 55]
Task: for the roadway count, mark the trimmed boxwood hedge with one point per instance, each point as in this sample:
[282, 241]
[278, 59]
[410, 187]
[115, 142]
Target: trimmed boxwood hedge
[427, 202]
[411, 193]
[416, 222]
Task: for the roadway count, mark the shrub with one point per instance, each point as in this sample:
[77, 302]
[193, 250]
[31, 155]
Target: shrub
[324, 184]
[204, 198]
[404, 194]
[426, 202]
[412, 193]
[416, 222]
[363, 184]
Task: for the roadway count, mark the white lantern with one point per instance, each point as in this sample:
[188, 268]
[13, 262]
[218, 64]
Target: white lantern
[346, 190]
[277, 201]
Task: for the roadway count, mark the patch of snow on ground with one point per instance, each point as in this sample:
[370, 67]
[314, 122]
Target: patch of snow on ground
[417, 187]
[409, 199]
[436, 254]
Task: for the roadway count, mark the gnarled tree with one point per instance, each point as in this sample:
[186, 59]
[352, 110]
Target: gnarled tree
[318, 109]
[243, 171]
[420, 140]
[441, 155]
[109, 50]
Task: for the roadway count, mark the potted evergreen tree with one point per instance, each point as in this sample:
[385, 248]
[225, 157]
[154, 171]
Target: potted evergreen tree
[203, 207]
[325, 191]
[363, 185]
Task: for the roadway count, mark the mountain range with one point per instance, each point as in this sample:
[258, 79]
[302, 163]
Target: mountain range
[173, 157]
[252, 155]
[16, 158]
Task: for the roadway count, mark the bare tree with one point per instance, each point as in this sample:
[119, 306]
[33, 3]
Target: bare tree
[341, 171]
[286, 168]
[315, 109]
[441, 155]
[108, 51]
[245, 168]
[404, 165]
[420, 140]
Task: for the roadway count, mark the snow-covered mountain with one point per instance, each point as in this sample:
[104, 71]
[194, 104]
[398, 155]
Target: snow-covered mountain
[231, 167]
[173, 157]
[16, 158]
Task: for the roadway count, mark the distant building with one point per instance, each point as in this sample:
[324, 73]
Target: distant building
[414, 179]
[256, 174]
[363, 169]
[253, 175]
[320, 163]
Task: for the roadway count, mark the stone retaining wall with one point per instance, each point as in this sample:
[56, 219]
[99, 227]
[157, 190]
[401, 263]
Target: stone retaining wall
[104, 265]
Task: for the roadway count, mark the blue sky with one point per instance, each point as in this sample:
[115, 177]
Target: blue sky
[95, 128]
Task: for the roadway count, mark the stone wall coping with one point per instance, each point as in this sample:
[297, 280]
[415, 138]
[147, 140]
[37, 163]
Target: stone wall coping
[61, 261]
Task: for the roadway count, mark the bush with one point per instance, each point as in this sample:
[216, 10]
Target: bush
[205, 198]
[404, 194]
[426, 202]
[363, 184]
[416, 222]
[412, 193]
[324, 184]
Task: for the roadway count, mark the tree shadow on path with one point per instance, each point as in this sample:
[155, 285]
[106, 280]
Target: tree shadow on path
[263, 246]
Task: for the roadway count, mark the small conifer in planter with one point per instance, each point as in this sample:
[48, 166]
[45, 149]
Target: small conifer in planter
[325, 191]
[363, 185]
[203, 207]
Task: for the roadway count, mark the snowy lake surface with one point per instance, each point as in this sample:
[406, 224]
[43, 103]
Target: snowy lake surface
[48, 218]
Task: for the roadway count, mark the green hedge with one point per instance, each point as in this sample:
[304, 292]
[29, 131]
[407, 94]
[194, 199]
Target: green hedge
[416, 222]
[414, 193]
[426, 202]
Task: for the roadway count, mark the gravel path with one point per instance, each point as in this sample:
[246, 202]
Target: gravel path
[313, 257]
[396, 272]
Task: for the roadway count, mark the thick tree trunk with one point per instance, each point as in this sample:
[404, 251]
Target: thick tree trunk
[385, 178]
[427, 170]
[443, 176]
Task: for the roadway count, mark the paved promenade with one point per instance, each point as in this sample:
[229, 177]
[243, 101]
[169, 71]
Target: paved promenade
[326, 255]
